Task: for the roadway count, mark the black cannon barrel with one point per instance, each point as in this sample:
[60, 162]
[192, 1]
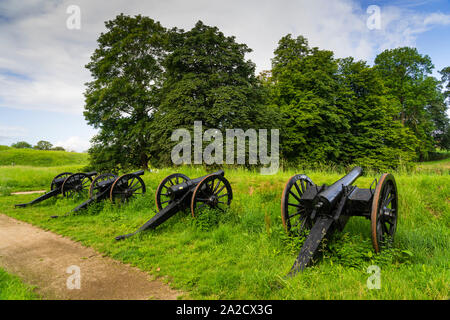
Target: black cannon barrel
[187, 184]
[330, 196]
[92, 173]
[139, 173]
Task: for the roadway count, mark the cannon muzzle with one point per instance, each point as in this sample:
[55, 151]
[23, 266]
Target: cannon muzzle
[326, 200]
[92, 173]
[139, 173]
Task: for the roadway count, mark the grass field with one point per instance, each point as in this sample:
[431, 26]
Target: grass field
[245, 253]
[37, 158]
[12, 288]
[29, 169]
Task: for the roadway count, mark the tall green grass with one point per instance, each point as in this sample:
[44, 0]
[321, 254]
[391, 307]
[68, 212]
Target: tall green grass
[25, 178]
[38, 158]
[28, 169]
[245, 253]
[12, 288]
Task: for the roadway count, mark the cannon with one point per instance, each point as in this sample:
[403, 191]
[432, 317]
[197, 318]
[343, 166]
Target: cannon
[68, 184]
[317, 211]
[117, 189]
[177, 192]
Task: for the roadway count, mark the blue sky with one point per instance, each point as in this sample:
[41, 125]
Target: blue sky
[42, 72]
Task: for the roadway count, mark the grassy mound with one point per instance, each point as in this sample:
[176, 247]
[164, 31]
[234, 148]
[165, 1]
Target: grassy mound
[37, 158]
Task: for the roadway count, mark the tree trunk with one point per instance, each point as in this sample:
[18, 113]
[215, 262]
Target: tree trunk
[144, 161]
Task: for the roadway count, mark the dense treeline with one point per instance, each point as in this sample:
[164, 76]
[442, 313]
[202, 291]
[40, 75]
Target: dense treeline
[41, 145]
[149, 81]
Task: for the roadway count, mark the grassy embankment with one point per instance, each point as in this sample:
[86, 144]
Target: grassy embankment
[12, 288]
[27, 169]
[245, 254]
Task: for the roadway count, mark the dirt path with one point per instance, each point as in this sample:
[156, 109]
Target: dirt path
[42, 259]
[27, 192]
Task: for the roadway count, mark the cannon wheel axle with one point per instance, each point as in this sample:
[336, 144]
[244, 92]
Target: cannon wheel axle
[75, 183]
[61, 175]
[95, 188]
[162, 198]
[125, 187]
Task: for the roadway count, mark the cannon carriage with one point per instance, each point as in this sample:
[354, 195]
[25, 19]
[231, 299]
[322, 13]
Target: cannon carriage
[110, 186]
[178, 192]
[317, 211]
[67, 183]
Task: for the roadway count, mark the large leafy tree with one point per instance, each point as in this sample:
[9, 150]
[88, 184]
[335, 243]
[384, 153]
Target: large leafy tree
[22, 145]
[43, 145]
[445, 73]
[413, 92]
[305, 91]
[334, 111]
[376, 138]
[208, 79]
[442, 133]
[120, 101]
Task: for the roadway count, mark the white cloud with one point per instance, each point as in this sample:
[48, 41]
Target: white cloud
[74, 143]
[12, 131]
[437, 19]
[42, 61]
[401, 27]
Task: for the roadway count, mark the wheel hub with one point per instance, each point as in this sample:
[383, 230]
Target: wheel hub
[213, 200]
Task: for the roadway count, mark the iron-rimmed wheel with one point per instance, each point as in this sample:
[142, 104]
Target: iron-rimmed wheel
[384, 211]
[214, 191]
[99, 182]
[162, 198]
[126, 187]
[63, 176]
[294, 215]
[75, 183]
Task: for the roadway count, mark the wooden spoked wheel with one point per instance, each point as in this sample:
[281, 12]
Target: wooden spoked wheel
[293, 214]
[162, 197]
[76, 183]
[62, 176]
[126, 187]
[214, 191]
[100, 183]
[384, 211]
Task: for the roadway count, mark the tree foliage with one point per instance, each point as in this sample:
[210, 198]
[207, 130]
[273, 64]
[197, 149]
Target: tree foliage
[334, 111]
[22, 145]
[43, 145]
[414, 94]
[149, 81]
[58, 148]
[306, 92]
[126, 68]
[376, 138]
[442, 134]
[207, 79]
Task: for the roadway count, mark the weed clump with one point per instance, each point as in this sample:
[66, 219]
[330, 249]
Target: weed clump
[210, 218]
[353, 251]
